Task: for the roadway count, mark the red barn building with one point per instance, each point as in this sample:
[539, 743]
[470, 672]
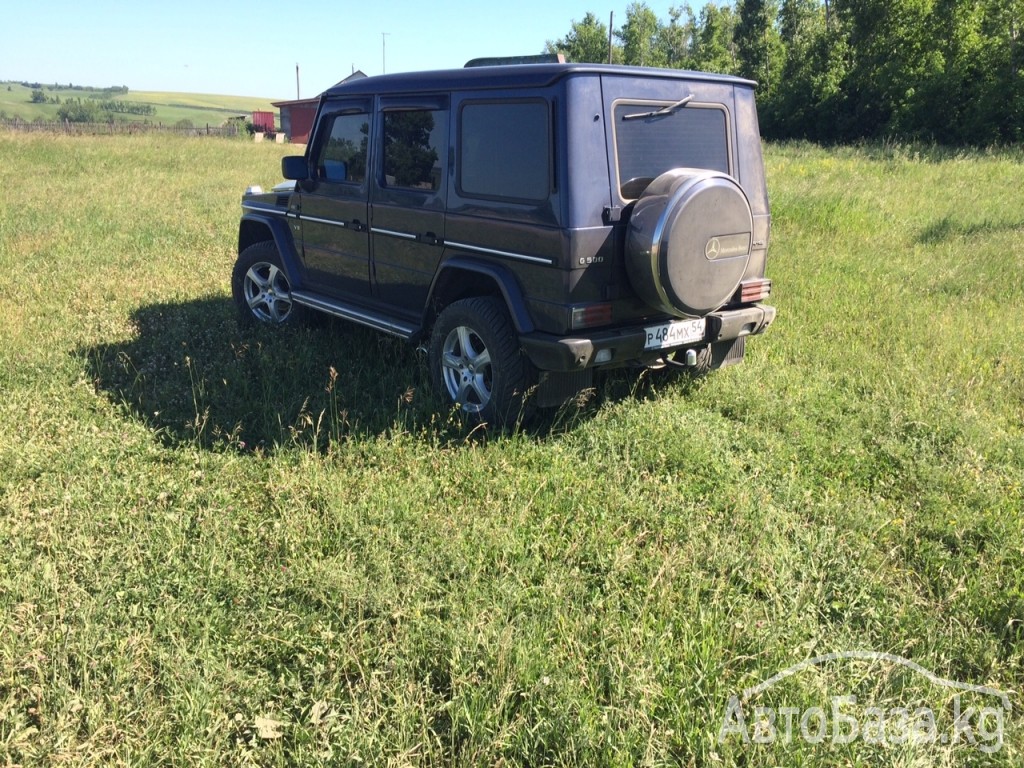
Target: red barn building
[263, 122]
[297, 118]
[297, 115]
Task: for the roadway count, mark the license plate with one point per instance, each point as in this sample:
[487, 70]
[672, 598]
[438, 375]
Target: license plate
[675, 334]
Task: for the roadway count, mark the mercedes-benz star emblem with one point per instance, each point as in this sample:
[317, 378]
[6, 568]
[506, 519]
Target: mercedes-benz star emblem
[713, 248]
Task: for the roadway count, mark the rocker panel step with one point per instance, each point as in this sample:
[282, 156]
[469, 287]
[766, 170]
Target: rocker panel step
[356, 314]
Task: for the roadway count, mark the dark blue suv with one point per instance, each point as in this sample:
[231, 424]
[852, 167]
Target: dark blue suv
[527, 223]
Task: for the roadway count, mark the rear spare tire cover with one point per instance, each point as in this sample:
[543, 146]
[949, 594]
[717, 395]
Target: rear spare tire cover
[688, 241]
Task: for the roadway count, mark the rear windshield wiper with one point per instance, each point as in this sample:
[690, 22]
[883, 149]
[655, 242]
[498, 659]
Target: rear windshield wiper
[660, 112]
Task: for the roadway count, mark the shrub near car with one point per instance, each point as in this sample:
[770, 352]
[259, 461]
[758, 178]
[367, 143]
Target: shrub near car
[527, 223]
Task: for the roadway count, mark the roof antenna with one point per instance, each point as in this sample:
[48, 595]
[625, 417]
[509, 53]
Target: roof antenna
[611, 27]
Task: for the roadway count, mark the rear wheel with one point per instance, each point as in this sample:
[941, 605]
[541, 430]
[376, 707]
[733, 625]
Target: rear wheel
[476, 364]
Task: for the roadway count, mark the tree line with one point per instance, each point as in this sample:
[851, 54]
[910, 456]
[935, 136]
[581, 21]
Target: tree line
[947, 71]
[111, 90]
[97, 107]
[96, 111]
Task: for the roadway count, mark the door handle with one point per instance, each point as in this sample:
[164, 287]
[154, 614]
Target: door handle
[357, 225]
[429, 238]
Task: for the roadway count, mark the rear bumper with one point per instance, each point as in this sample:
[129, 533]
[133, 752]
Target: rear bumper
[626, 345]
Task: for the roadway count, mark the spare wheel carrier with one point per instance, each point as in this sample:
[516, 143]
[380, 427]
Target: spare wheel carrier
[688, 242]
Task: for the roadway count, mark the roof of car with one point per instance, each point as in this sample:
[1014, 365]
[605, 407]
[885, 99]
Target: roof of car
[506, 76]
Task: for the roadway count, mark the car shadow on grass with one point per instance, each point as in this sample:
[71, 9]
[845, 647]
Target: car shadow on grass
[195, 376]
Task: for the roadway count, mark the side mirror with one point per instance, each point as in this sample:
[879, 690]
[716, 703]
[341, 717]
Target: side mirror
[294, 168]
[335, 170]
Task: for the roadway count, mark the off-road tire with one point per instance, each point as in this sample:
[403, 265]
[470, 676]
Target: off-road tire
[261, 289]
[476, 364]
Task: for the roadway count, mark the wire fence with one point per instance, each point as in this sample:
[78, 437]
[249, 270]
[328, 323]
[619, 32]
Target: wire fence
[118, 128]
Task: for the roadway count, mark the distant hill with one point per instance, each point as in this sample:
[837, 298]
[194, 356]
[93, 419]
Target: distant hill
[129, 106]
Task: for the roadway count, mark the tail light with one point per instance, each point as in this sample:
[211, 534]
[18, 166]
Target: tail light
[590, 316]
[754, 290]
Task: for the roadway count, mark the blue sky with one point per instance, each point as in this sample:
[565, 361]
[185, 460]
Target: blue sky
[251, 48]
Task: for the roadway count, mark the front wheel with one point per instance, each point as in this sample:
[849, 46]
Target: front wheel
[476, 363]
[261, 288]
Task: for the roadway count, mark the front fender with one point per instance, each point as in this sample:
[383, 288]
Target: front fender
[257, 226]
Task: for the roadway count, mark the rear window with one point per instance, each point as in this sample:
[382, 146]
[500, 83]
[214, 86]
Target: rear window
[505, 150]
[689, 137]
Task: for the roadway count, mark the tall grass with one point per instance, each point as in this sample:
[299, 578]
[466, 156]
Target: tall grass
[227, 547]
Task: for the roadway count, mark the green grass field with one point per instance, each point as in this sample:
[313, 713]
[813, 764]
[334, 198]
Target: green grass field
[227, 547]
[200, 109]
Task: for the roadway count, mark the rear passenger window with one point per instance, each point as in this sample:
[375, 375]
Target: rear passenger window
[505, 150]
[413, 142]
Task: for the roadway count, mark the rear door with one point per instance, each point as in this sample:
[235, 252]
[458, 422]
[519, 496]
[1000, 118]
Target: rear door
[408, 199]
[334, 212]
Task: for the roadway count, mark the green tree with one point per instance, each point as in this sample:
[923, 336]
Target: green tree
[675, 39]
[640, 36]
[714, 49]
[80, 112]
[759, 50]
[586, 42]
[810, 92]
[947, 107]
[38, 97]
[891, 57]
[1003, 59]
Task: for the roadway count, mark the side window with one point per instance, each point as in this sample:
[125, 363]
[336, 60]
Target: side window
[505, 150]
[414, 141]
[342, 158]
